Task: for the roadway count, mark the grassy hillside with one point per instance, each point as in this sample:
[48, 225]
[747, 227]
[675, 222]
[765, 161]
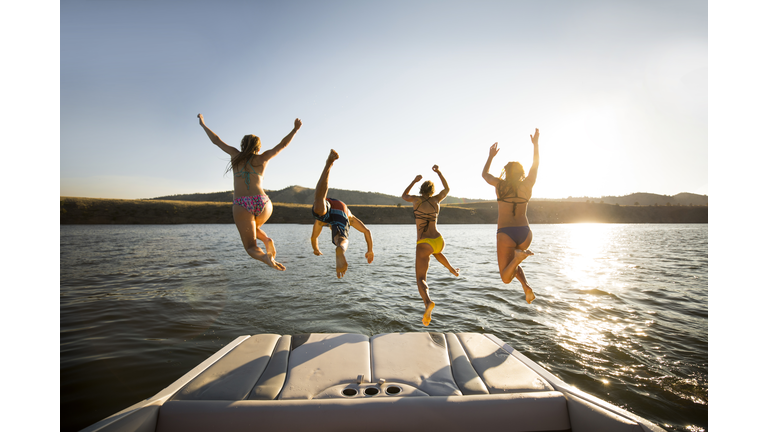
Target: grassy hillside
[114, 211]
[646, 199]
[302, 195]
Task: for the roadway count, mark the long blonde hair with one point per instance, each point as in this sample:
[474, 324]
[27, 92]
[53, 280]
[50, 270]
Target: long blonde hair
[511, 177]
[249, 146]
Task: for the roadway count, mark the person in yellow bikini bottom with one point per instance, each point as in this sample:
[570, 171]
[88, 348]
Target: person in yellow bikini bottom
[426, 207]
[437, 244]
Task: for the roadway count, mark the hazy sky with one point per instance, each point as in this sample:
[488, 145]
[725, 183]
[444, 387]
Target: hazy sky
[618, 90]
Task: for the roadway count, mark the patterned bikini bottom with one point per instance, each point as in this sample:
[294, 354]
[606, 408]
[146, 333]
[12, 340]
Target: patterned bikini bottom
[254, 203]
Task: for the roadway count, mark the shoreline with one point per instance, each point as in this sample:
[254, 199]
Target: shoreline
[107, 211]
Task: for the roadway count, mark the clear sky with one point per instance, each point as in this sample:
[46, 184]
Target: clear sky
[618, 90]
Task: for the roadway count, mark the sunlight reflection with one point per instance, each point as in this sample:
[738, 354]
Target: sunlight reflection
[585, 264]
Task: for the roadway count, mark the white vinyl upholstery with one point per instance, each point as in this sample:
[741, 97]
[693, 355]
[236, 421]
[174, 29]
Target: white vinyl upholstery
[326, 360]
[500, 372]
[530, 412]
[232, 377]
[343, 382]
[418, 359]
[464, 374]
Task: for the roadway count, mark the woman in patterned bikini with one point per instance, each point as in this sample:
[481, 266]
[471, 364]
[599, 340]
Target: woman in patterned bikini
[252, 206]
[429, 241]
[513, 237]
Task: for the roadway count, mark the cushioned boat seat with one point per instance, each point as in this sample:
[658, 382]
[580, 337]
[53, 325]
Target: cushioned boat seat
[350, 382]
[500, 372]
[325, 360]
[418, 359]
[232, 377]
[514, 412]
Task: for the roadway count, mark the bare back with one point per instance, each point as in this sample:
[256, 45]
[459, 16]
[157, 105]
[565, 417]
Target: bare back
[513, 205]
[247, 176]
[426, 211]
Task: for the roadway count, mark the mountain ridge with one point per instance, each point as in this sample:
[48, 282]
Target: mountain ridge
[303, 195]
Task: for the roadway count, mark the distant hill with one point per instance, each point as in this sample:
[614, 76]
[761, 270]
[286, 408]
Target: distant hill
[74, 210]
[302, 195]
[646, 199]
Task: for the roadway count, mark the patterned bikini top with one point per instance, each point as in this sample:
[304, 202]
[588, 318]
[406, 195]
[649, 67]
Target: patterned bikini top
[246, 175]
[507, 198]
[426, 217]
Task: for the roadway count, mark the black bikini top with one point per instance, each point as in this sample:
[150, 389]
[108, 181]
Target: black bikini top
[505, 197]
[427, 217]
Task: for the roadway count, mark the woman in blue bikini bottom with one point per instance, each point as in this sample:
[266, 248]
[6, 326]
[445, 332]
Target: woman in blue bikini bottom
[518, 234]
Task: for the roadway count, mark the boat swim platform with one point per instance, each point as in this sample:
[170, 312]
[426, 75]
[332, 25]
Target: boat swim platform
[389, 382]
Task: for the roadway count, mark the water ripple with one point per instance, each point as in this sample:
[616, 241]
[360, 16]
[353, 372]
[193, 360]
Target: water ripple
[141, 305]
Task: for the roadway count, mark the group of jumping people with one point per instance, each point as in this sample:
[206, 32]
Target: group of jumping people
[252, 208]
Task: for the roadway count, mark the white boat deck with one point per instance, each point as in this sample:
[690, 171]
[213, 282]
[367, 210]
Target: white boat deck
[388, 382]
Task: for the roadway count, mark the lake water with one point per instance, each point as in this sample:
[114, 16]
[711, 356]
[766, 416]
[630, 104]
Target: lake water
[621, 310]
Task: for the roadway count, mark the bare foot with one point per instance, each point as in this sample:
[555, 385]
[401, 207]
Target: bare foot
[444, 261]
[332, 157]
[529, 296]
[268, 260]
[269, 245]
[520, 255]
[341, 263]
[427, 318]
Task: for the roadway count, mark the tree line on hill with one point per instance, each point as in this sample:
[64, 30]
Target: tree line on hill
[115, 211]
[302, 195]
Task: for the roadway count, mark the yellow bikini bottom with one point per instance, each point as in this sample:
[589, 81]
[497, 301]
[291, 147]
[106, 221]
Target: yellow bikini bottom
[437, 244]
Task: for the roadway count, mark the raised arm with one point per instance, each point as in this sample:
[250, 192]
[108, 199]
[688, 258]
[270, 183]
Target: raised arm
[269, 154]
[407, 194]
[443, 193]
[490, 179]
[360, 226]
[216, 140]
[534, 171]
[316, 229]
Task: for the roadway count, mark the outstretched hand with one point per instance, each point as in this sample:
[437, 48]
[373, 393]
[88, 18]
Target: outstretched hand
[435, 168]
[418, 178]
[200, 117]
[494, 150]
[535, 137]
[297, 124]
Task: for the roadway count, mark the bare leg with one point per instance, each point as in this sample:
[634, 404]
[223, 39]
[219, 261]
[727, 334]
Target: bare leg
[321, 190]
[246, 225]
[423, 252]
[444, 261]
[510, 256]
[510, 270]
[269, 245]
[341, 259]
[520, 275]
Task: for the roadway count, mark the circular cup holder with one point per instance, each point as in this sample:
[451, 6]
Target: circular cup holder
[393, 390]
[349, 392]
[371, 391]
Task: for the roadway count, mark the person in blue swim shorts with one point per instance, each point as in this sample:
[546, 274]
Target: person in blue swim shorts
[336, 215]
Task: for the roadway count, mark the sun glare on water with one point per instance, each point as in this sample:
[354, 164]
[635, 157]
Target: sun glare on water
[585, 258]
[588, 267]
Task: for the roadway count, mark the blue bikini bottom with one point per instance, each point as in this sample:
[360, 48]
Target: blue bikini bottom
[518, 234]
